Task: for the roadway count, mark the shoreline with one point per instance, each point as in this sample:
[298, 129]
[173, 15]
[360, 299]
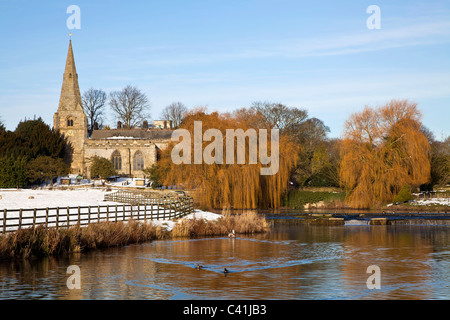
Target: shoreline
[31, 243]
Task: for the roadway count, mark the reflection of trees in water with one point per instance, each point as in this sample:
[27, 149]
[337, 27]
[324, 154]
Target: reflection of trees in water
[290, 262]
[402, 253]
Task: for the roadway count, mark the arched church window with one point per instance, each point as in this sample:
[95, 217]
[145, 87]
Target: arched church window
[70, 122]
[138, 161]
[116, 159]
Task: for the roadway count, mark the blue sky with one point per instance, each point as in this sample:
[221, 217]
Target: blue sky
[316, 55]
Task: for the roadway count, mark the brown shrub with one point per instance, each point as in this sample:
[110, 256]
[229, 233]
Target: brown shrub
[244, 223]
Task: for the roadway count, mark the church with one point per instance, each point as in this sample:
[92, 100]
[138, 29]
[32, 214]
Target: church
[130, 150]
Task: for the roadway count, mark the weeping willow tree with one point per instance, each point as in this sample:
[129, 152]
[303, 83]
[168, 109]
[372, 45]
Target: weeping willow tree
[239, 185]
[383, 149]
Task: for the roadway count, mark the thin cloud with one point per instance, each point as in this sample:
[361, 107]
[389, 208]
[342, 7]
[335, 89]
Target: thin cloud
[364, 41]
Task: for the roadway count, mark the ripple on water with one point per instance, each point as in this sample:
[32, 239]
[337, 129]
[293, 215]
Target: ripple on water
[240, 262]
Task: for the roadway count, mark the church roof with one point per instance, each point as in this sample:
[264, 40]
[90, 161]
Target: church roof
[131, 134]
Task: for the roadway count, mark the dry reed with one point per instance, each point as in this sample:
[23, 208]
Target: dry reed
[247, 222]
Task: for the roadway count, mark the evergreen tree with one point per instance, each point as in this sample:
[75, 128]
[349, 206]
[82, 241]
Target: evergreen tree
[13, 172]
[404, 194]
[39, 139]
[155, 174]
[19, 151]
[45, 168]
[102, 168]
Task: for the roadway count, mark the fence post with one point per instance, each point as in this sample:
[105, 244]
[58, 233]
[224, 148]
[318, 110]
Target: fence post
[107, 213]
[79, 215]
[174, 204]
[57, 218]
[89, 215]
[68, 217]
[123, 213]
[165, 207]
[5, 211]
[157, 213]
[34, 218]
[20, 219]
[116, 212]
[46, 218]
[98, 214]
[169, 209]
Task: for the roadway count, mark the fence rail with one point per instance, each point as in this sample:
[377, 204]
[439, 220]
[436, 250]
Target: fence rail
[63, 217]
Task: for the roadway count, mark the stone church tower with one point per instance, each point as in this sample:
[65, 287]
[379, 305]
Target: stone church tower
[70, 119]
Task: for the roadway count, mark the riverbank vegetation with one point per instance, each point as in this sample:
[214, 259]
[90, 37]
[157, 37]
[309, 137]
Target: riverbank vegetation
[248, 222]
[304, 199]
[41, 242]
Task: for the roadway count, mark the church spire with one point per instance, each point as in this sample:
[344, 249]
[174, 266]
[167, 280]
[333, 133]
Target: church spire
[70, 119]
[70, 61]
[70, 92]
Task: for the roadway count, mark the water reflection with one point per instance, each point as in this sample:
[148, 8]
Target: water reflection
[290, 262]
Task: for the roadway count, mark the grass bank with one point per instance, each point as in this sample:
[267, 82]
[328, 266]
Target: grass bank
[306, 199]
[41, 242]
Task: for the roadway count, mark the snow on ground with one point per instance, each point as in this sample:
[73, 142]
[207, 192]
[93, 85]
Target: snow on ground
[41, 199]
[426, 202]
[440, 201]
[128, 182]
[29, 199]
[120, 182]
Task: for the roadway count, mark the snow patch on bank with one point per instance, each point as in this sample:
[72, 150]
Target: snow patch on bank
[30, 199]
[433, 201]
[197, 214]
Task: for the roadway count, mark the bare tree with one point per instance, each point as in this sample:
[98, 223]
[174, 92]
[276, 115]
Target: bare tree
[440, 162]
[130, 105]
[279, 116]
[94, 101]
[175, 113]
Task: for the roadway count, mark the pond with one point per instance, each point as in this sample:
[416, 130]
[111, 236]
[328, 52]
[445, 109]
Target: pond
[289, 262]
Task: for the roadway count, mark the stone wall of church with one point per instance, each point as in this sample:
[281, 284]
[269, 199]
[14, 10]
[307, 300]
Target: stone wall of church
[130, 151]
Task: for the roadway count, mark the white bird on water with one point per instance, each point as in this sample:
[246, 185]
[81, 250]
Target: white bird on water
[232, 234]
